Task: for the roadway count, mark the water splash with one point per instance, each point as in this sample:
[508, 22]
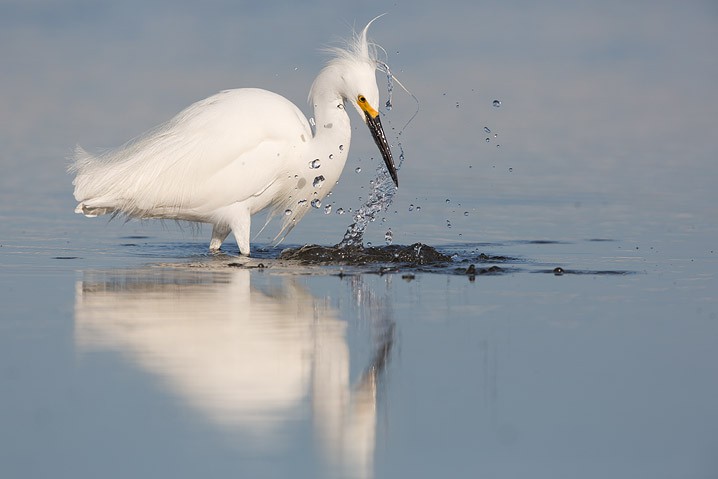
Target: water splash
[380, 198]
[318, 181]
[389, 87]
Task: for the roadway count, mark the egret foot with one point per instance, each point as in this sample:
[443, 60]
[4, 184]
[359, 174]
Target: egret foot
[219, 234]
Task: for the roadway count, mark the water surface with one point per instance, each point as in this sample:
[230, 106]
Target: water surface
[582, 345]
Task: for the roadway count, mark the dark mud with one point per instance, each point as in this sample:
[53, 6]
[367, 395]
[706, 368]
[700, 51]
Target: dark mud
[417, 257]
[407, 260]
[417, 254]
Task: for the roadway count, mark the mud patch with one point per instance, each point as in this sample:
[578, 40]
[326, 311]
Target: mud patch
[417, 254]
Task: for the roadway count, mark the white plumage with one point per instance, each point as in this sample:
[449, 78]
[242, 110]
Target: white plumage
[229, 156]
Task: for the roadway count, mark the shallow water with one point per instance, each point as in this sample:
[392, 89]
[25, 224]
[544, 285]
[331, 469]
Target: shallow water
[571, 334]
[179, 363]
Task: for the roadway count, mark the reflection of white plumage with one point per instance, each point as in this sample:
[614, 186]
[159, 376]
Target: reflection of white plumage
[238, 152]
[249, 358]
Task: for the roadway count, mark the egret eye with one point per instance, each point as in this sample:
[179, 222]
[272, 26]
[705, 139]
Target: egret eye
[361, 99]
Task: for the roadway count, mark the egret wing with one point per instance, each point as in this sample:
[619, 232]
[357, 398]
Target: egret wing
[218, 151]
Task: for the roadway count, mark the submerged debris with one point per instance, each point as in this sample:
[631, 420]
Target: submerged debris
[472, 270]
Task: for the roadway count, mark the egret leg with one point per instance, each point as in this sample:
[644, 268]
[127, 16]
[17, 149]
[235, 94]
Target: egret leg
[240, 224]
[219, 234]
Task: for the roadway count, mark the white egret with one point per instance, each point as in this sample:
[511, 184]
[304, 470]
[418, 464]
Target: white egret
[241, 151]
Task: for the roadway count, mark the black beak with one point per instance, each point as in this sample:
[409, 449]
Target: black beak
[380, 138]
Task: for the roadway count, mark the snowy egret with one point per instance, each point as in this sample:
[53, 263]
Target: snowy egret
[241, 151]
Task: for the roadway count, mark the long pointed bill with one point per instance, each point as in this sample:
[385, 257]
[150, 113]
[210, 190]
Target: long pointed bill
[377, 132]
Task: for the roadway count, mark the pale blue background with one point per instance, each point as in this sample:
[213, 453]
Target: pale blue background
[607, 116]
[606, 131]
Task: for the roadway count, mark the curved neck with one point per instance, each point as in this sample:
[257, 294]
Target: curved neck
[328, 105]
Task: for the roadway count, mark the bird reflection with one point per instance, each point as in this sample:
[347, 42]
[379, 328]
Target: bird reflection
[248, 357]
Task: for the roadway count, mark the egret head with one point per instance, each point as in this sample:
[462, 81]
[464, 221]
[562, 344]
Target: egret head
[351, 74]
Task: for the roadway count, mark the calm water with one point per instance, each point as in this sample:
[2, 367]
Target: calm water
[126, 351]
[151, 359]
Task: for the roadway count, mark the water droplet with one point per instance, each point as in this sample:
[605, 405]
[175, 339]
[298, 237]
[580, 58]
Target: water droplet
[316, 202]
[448, 201]
[510, 170]
[340, 211]
[411, 207]
[287, 212]
[331, 157]
[498, 146]
[496, 103]
[341, 147]
[315, 164]
[327, 209]
[302, 202]
[457, 104]
[487, 130]
[488, 139]
[448, 225]
[466, 213]
[418, 208]
[358, 169]
[368, 243]
[312, 122]
[389, 237]
[318, 182]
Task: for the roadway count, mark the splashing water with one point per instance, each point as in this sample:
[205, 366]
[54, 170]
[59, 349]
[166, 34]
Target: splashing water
[389, 87]
[380, 198]
[318, 181]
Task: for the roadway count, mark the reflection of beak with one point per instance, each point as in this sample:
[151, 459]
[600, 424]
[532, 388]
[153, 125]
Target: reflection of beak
[374, 123]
